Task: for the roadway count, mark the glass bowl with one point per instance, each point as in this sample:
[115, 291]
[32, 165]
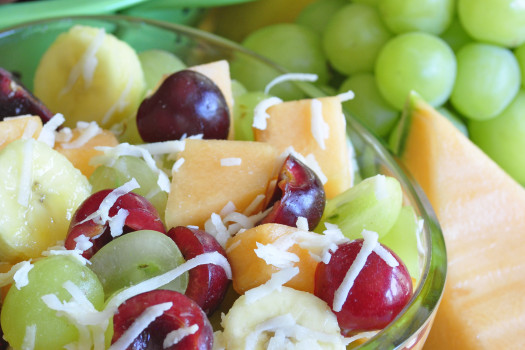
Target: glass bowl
[22, 46]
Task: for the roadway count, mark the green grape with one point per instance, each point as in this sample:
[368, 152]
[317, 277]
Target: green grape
[520, 56]
[353, 38]
[373, 204]
[416, 61]
[135, 257]
[488, 78]
[368, 105]
[503, 137]
[129, 132]
[243, 114]
[500, 22]
[317, 14]
[402, 239]
[124, 169]
[237, 89]
[294, 47]
[454, 119]
[367, 2]
[455, 35]
[25, 307]
[156, 64]
[430, 16]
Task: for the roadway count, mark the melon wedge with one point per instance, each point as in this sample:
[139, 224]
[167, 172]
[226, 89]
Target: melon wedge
[290, 124]
[482, 213]
[18, 127]
[215, 172]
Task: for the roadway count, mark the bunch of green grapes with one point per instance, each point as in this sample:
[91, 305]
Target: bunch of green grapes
[464, 57]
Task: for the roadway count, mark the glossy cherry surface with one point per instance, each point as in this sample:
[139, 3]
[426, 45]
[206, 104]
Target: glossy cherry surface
[379, 292]
[298, 193]
[142, 216]
[183, 313]
[16, 100]
[186, 103]
[208, 283]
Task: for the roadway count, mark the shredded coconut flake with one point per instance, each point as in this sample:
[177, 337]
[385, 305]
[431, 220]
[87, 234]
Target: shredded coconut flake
[386, 256]
[250, 209]
[21, 276]
[64, 135]
[30, 129]
[380, 188]
[29, 338]
[272, 255]
[302, 223]
[87, 133]
[120, 103]
[260, 115]
[346, 96]
[149, 315]
[319, 128]
[290, 77]
[231, 161]
[82, 243]
[177, 165]
[309, 161]
[341, 293]
[165, 147]
[87, 64]
[74, 253]
[116, 223]
[174, 337]
[275, 282]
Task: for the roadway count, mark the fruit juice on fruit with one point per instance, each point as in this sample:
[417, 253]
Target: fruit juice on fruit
[313, 256]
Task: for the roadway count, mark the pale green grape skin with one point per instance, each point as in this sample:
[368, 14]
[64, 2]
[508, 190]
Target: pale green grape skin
[372, 204]
[25, 307]
[503, 138]
[402, 240]
[417, 62]
[353, 38]
[238, 89]
[156, 64]
[374, 3]
[455, 35]
[135, 257]
[243, 114]
[500, 22]
[123, 170]
[520, 56]
[296, 48]
[317, 14]
[488, 78]
[430, 16]
[368, 105]
[454, 119]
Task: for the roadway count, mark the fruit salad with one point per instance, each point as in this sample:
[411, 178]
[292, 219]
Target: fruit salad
[146, 204]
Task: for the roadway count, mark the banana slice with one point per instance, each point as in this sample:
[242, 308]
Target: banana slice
[283, 319]
[88, 74]
[39, 192]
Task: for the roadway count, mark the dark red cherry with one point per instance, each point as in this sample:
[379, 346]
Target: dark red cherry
[142, 216]
[298, 193]
[207, 284]
[187, 102]
[379, 292]
[16, 100]
[183, 313]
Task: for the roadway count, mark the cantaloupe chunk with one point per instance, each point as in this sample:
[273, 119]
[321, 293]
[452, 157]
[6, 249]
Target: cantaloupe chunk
[250, 271]
[290, 124]
[482, 213]
[81, 155]
[14, 128]
[202, 186]
[219, 72]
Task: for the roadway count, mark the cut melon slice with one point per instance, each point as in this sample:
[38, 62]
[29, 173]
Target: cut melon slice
[290, 124]
[482, 213]
[15, 128]
[215, 172]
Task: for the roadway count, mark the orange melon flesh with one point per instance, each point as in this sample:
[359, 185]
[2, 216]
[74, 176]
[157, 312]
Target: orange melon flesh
[13, 129]
[482, 213]
[250, 271]
[81, 156]
[202, 186]
[219, 72]
[290, 124]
